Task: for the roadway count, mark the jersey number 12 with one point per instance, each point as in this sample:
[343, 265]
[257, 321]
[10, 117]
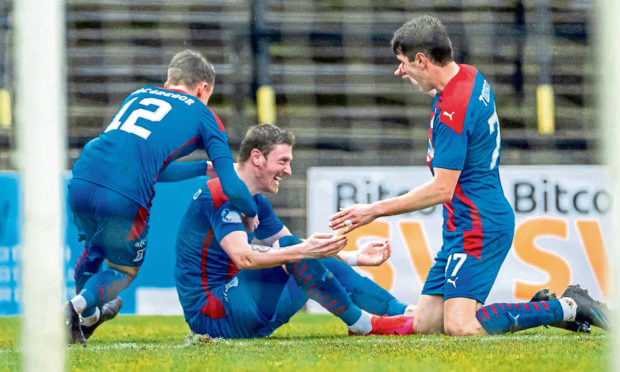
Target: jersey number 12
[129, 125]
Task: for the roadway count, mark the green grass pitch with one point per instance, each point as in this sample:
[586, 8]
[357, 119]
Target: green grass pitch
[317, 343]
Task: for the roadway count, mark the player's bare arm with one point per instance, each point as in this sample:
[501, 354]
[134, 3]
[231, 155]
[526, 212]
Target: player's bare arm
[437, 191]
[249, 256]
[274, 238]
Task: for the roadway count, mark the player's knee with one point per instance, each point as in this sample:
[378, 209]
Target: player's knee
[427, 325]
[427, 329]
[454, 330]
[460, 329]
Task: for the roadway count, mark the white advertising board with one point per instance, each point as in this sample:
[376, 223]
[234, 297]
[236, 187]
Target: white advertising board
[562, 227]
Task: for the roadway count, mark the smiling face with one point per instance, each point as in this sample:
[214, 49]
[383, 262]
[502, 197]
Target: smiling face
[274, 167]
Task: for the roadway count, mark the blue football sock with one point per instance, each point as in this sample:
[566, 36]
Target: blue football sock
[503, 317]
[89, 311]
[104, 287]
[85, 268]
[365, 293]
[319, 284]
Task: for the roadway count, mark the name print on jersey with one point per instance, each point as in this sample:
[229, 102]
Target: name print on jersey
[188, 101]
[485, 95]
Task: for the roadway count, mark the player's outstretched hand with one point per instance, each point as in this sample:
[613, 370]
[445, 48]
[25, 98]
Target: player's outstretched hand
[320, 245]
[250, 223]
[374, 253]
[357, 215]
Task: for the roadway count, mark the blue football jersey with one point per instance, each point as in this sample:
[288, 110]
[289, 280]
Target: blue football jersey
[201, 263]
[465, 135]
[153, 127]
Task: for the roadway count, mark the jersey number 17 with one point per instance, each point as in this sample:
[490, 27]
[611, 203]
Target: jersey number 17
[494, 126]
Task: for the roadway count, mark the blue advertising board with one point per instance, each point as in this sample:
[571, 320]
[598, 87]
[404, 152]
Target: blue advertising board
[153, 289]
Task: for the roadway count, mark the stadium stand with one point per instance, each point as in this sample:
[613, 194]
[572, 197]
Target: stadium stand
[331, 68]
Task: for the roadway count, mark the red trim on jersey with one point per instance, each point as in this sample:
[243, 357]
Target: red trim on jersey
[215, 187]
[195, 139]
[213, 307]
[232, 270]
[455, 96]
[472, 240]
[450, 225]
[219, 122]
[203, 262]
[139, 224]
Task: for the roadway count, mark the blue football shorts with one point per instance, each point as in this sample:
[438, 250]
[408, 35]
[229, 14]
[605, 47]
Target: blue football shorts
[457, 273]
[112, 226]
[243, 318]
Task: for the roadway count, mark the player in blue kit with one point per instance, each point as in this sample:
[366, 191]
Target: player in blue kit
[113, 182]
[463, 156]
[231, 287]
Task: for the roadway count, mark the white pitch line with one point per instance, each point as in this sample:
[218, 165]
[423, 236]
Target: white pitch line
[358, 340]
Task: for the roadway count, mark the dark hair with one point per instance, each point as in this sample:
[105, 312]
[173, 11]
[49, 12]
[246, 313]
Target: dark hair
[426, 35]
[190, 68]
[263, 137]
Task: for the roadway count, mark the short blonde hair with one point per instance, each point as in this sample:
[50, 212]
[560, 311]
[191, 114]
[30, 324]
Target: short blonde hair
[190, 68]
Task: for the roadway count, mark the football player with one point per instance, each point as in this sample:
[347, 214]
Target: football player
[113, 182]
[231, 287]
[464, 148]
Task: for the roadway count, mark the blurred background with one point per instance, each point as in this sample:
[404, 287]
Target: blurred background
[330, 66]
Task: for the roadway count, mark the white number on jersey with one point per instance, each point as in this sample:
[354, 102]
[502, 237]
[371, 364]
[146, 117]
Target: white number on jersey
[460, 257]
[494, 125]
[129, 125]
